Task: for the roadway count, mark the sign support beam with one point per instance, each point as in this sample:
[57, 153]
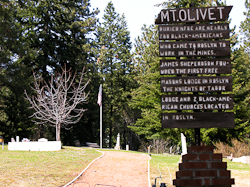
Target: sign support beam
[197, 135]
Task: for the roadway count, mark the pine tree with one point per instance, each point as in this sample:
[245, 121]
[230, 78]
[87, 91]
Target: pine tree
[57, 32]
[146, 97]
[114, 62]
[14, 77]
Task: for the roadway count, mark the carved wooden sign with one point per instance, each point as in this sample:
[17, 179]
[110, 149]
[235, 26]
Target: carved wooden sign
[200, 50]
[198, 120]
[194, 32]
[194, 48]
[197, 102]
[185, 15]
[195, 66]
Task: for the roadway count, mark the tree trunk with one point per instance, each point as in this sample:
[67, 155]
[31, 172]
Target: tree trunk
[40, 133]
[110, 127]
[58, 130]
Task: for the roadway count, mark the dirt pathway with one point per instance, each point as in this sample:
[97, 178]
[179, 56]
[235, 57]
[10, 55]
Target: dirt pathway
[116, 169]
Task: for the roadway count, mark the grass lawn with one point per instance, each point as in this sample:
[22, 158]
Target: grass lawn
[168, 165]
[34, 168]
[57, 168]
[240, 172]
[165, 165]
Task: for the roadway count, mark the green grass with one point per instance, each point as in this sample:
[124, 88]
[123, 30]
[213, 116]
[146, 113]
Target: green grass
[57, 168]
[34, 168]
[239, 171]
[166, 165]
[237, 166]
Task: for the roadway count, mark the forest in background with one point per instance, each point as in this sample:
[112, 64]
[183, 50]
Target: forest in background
[42, 36]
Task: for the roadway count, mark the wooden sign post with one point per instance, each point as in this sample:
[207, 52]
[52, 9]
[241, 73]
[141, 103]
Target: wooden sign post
[196, 67]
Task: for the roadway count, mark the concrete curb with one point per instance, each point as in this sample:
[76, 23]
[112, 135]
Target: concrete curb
[149, 185]
[85, 169]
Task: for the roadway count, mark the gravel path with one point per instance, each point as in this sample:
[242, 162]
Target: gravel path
[116, 169]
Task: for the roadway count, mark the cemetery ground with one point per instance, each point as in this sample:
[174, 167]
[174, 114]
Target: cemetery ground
[52, 168]
[57, 168]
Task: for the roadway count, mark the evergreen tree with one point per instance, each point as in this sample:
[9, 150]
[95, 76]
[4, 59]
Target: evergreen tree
[114, 62]
[146, 97]
[57, 31]
[14, 77]
[245, 29]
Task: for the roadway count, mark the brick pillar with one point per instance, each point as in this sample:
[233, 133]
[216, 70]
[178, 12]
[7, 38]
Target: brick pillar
[201, 167]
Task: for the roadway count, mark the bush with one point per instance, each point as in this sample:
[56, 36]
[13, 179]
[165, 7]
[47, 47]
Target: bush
[238, 148]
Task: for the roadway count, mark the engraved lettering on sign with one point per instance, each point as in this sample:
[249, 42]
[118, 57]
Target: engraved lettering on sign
[198, 27]
[217, 106]
[193, 102]
[220, 88]
[183, 117]
[197, 120]
[192, 63]
[193, 36]
[184, 14]
[200, 48]
[195, 81]
[196, 98]
[202, 66]
[193, 14]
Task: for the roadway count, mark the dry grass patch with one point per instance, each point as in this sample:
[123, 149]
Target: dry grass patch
[238, 148]
[50, 169]
[240, 172]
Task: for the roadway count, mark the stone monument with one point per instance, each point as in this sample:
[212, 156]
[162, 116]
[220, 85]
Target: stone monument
[117, 146]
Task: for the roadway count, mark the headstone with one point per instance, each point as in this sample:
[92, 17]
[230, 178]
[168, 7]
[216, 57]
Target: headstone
[42, 140]
[117, 146]
[183, 144]
[243, 159]
[13, 140]
[127, 147]
[17, 138]
[77, 143]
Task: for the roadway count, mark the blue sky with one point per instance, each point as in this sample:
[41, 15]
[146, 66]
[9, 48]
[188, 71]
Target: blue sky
[139, 12]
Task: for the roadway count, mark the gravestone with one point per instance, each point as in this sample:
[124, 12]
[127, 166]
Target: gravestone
[183, 144]
[42, 140]
[127, 147]
[117, 146]
[243, 159]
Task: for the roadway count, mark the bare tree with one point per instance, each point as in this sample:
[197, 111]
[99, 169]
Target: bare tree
[55, 103]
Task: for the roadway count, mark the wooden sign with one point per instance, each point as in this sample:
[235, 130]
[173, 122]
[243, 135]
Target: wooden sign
[197, 102]
[195, 40]
[196, 84]
[185, 15]
[198, 120]
[194, 32]
[195, 66]
[194, 48]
